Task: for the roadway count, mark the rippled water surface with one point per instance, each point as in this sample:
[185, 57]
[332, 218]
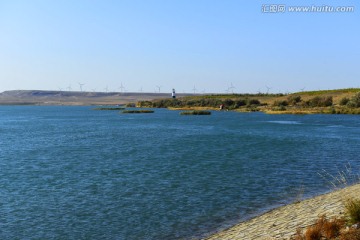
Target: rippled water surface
[76, 173]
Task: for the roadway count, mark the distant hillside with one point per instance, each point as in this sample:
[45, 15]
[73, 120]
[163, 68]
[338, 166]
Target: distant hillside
[40, 97]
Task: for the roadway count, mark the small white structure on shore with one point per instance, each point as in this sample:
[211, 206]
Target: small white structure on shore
[173, 93]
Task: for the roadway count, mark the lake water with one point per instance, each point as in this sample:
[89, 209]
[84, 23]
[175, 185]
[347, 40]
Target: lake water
[76, 173]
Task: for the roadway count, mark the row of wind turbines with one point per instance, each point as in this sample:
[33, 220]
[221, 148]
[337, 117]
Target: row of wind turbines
[228, 90]
[106, 89]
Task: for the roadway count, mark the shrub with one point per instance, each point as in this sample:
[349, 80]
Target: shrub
[282, 103]
[313, 233]
[144, 104]
[253, 102]
[320, 101]
[344, 101]
[352, 234]
[322, 229]
[354, 101]
[352, 207]
[138, 111]
[228, 102]
[280, 108]
[130, 105]
[240, 103]
[331, 229]
[196, 112]
[293, 100]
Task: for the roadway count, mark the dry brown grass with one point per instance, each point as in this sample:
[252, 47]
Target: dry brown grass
[313, 233]
[323, 229]
[352, 234]
[331, 229]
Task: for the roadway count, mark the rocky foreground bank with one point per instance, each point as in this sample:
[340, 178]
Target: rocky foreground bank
[281, 223]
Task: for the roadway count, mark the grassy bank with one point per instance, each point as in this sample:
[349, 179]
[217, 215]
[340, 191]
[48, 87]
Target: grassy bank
[338, 101]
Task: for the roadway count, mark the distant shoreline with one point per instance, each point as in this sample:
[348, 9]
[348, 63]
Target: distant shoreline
[338, 101]
[75, 98]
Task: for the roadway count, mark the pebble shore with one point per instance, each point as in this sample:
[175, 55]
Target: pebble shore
[282, 223]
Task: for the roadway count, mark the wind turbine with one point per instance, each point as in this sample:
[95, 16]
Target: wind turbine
[81, 85]
[140, 90]
[69, 88]
[194, 89]
[106, 89]
[231, 88]
[158, 87]
[268, 88]
[302, 89]
[94, 89]
[121, 88]
[60, 89]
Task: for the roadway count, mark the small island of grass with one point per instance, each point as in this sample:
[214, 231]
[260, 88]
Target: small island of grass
[138, 111]
[109, 108]
[196, 112]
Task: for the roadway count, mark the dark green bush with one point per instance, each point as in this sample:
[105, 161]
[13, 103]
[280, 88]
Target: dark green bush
[240, 103]
[253, 102]
[282, 103]
[344, 101]
[293, 100]
[320, 101]
[352, 207]
[138, 111]
[196, 112]
[354, 101]
[228, 102]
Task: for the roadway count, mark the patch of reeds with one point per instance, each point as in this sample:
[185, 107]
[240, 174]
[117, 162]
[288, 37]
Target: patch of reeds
[196, 112]
[344, 177]
[138, 111]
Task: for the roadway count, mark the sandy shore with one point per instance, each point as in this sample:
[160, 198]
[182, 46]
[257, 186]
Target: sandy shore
[281, 223]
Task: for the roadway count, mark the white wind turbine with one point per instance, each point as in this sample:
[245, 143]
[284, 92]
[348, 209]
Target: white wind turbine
[268, 88]
[81, 85]
[231, 88]
[122, 88]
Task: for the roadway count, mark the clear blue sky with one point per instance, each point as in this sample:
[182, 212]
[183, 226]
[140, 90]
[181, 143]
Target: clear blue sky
[209, 44]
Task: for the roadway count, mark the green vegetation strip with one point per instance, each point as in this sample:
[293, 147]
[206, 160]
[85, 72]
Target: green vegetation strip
[138, 111]
[196, 113]
[110, 108]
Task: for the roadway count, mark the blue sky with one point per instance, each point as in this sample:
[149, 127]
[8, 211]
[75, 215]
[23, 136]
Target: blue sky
[52, 45]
